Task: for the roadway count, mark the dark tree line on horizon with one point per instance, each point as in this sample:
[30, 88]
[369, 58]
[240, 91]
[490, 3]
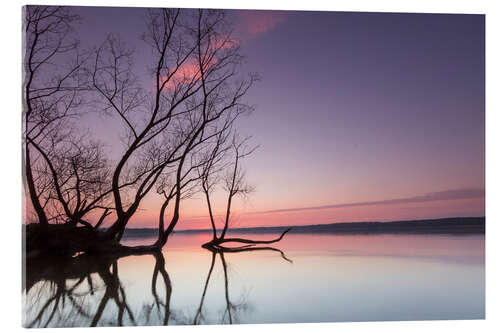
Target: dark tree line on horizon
[178, 137]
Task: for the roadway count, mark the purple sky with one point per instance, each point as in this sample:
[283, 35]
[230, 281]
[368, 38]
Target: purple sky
[363, 113]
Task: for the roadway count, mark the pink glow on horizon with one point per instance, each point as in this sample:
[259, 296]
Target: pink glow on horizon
[193, 216]
[194, 213]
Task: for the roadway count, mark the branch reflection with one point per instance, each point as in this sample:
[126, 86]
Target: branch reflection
[87, 291]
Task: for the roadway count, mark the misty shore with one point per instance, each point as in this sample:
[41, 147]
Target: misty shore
[454, 226]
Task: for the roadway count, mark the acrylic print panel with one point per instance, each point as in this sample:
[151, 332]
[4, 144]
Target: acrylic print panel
[192, 167]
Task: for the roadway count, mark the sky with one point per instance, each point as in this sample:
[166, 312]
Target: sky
[359, 116]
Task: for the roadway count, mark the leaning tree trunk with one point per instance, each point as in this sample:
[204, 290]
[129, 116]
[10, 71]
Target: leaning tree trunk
[42, 217]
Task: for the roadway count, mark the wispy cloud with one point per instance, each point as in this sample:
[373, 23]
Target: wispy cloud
[257, 22]
[190, 70]
[465, 193]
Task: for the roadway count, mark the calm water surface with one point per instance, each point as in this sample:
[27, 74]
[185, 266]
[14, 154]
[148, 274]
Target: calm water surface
[319, 278]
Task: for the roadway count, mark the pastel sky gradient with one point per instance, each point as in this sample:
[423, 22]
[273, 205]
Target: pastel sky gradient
[359, 116]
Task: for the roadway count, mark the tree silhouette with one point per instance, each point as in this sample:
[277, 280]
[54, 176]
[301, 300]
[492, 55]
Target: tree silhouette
[51, 98]
[235, 185]
[169, 124]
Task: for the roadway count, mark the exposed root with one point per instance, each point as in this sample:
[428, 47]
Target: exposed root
[218, 241]
[216, 245]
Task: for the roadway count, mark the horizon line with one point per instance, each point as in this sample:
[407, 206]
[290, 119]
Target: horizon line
[323, 224]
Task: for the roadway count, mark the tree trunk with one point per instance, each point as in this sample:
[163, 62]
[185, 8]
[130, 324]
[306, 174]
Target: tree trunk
[42, 218]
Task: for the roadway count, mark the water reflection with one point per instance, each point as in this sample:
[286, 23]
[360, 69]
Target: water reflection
[87, 291]
[74, 291]
[332, 278]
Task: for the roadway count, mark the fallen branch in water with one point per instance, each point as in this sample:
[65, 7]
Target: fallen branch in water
[216, 245]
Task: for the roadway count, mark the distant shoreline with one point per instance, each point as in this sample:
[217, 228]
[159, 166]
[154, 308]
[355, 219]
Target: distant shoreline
[453, 225]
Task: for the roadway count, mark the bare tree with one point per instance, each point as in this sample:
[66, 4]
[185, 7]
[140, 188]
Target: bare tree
[65, 175]
[51, 84]
[170, 124]
[197, 95]
[235, 185]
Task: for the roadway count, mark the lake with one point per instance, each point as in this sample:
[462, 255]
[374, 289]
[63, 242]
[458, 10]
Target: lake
[316, 278]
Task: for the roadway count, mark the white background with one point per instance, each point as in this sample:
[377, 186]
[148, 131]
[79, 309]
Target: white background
[10, 157]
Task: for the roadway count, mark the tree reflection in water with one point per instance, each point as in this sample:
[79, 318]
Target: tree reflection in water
[86, 290]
